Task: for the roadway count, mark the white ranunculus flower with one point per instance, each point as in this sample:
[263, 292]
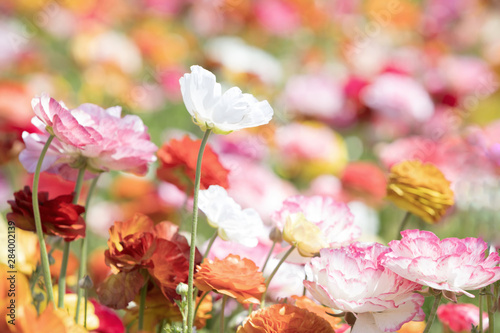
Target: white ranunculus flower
[221, 112]
[233, 223]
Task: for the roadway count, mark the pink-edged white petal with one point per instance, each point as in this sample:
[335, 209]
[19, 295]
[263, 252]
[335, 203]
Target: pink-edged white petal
[351, 279]
[451, 264]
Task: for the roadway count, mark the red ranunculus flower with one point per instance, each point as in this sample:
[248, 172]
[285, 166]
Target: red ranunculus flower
[59, 216]
[178, 164]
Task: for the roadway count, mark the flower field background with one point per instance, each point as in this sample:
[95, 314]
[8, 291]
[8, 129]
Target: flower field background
[336, 163]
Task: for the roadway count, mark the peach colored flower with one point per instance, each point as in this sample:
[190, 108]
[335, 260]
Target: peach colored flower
[421, 189]
[284, 318]
[232, 276]
[412, 327]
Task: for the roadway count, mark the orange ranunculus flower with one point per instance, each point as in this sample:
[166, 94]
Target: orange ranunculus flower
[59, 216]
[170, 265]
[304, 302]
[232, 276]
[131, 244]
[159, 308]
[284, 318]
[137, 245]
[51, 320]
[178, 164]
[421, 189]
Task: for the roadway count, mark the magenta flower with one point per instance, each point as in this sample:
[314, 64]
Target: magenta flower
[451, 264]
[333, 217]
[99, 139]
[352, 280]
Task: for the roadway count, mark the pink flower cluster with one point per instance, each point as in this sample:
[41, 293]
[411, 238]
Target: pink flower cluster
[351, 279]
[378, 284]
[88, 136]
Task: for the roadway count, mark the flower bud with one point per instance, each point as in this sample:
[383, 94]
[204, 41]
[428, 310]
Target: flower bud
[275, 235]
[86, 282]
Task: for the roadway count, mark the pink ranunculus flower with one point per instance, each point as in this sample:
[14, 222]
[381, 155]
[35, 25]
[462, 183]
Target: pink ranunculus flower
[317, 96]
[333, 217]
[487, 141]
[451, 264]
[398, 97]
[351, 279]
[460, 317]
[99, 139]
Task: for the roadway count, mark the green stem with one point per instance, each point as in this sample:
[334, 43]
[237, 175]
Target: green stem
[432, 314]
[268, 256]
[402, 226]
[224, 300]
[66, 249]
[38, 224]
[212, 240]
[481, 293]
[85, 308]
[268, 281]
[142, 305]
[62, 276]
[491, 313]
[82, 270]
[194, 227]
[199, 303]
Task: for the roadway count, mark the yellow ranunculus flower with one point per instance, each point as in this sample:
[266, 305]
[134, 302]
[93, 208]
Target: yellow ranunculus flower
[69, 311]
[304, 235]
[421, 189]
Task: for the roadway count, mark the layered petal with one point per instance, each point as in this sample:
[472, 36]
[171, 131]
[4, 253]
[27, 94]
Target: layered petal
[351, 279]
[222, 113]
[451, 264]
[233, 223]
